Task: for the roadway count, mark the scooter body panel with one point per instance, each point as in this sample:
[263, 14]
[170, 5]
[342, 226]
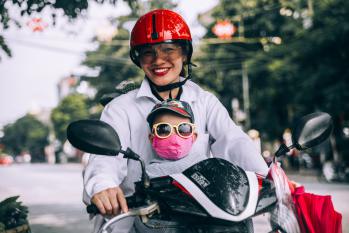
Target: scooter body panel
[224, 190]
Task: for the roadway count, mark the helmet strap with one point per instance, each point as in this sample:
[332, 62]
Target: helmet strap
[156, 93]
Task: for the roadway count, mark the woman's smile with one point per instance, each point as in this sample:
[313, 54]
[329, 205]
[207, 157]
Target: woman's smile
[160, 71]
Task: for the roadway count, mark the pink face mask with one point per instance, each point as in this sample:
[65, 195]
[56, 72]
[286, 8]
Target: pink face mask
[173, 148]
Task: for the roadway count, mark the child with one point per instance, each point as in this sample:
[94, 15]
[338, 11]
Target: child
[172, 129]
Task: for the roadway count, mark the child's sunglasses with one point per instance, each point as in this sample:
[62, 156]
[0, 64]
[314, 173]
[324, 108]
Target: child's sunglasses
[164, 130]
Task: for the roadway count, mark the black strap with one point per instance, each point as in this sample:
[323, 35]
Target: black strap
[156, 94]
[180, 91]
[169, 86]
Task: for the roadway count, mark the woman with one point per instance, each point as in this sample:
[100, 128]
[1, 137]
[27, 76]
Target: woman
[161, 46]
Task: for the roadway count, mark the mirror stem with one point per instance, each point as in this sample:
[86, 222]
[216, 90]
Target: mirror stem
[132, 155]
[283, 149]
[145, 177]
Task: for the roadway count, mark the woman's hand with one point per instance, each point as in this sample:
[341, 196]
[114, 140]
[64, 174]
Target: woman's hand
[110, 201]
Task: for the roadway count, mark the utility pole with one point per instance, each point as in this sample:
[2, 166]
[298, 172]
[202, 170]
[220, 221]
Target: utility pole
[246, 95]
[245, 82]
[310, 8]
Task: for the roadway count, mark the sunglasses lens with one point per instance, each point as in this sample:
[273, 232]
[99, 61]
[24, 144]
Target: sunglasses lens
[163, 130]
[185, 130]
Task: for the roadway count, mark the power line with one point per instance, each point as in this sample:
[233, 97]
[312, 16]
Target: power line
[47, 47]
[112, 61]
[116, 62]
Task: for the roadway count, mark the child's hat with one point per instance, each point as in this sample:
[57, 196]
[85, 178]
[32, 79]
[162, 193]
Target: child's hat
[172, 105]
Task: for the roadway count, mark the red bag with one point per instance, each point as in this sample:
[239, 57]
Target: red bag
[316, 213]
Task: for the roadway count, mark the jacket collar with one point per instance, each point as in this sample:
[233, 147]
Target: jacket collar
[144, 90]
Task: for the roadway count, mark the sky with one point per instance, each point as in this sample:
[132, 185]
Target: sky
[28, 80]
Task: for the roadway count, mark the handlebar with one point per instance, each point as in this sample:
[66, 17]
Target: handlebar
[141, 211]
[132, 202]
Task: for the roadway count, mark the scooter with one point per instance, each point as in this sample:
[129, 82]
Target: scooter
[213, 195]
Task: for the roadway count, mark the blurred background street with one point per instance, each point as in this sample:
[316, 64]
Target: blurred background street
[53, 195]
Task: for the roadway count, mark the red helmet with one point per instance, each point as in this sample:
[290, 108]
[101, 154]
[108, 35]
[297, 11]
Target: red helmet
[159, 26]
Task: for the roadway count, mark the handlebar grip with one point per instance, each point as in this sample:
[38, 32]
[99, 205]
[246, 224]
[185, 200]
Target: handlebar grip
[132, 201]
[92, 209]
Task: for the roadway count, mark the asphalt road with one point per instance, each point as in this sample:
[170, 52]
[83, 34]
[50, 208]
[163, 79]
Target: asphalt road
[53, 195]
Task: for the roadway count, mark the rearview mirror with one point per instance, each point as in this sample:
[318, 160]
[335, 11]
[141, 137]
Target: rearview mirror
[98, 137]
[311, 130]
[94, 136]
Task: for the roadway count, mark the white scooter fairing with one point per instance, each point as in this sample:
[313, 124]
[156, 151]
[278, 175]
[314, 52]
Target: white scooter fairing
[224, 190]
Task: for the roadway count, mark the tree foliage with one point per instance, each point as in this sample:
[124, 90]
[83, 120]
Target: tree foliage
[71, 108]
[221, 62]
[70, 8]
[306, 72]
[26, 134]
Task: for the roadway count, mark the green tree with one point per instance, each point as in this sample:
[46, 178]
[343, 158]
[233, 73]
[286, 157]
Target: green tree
[71, 108]
[26, 134]
[262, 25]
[308, 71]
[257, 22]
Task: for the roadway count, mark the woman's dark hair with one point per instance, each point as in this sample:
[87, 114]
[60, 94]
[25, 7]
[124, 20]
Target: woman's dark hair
[187, 50]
